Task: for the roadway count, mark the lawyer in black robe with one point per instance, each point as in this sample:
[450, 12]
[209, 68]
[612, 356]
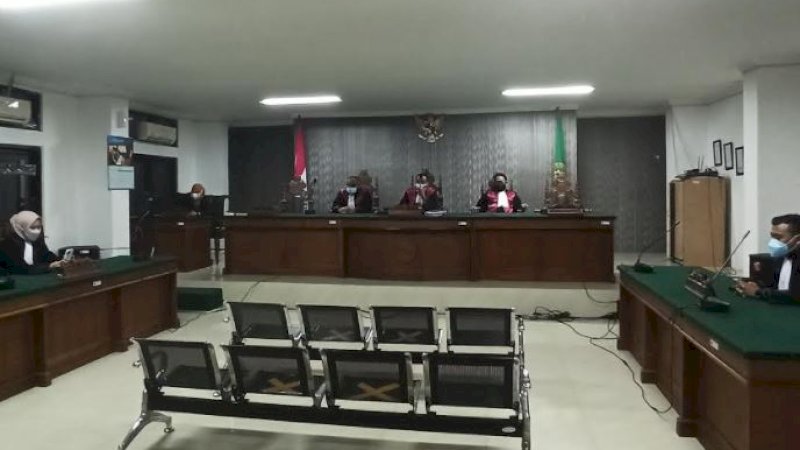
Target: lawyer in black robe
[24, 250]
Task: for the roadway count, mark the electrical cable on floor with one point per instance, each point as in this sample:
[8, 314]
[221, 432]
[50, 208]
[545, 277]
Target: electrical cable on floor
[222, 308]
[545, 313]
[622, 360]
[592, 298]
[660, 412]
[183, 325]
[249, 291]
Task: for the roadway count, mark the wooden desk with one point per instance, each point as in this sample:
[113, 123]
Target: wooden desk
[49, 327]
[186, 239]
[520, 247]
[733, 378]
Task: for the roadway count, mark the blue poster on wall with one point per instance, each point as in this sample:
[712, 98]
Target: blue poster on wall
[119, 156]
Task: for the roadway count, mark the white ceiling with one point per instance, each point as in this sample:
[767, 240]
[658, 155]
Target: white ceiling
[215, 59]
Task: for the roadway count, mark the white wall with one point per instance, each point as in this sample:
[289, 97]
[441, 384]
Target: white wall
[691, 131]
[772, 135]
[202, 154]
[687, 131]
[765, 119]
[77, 206]
[726, 122]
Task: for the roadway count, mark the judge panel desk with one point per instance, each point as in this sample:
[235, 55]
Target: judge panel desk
[733, 378]
[518, 247]
[49, 326]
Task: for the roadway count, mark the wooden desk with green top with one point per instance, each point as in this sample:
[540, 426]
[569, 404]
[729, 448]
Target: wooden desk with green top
[49, 326]
[733, 378]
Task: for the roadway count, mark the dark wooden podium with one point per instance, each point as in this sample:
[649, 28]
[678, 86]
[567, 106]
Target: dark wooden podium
[187, 239]
[518, 247]
[49, 326]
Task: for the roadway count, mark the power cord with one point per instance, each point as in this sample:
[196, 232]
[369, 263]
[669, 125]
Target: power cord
[563, 317]
[249, 291]
[592, 298]
[204, 313]
[660, 412]
[592, 341]
[545, 313]
[222, 308]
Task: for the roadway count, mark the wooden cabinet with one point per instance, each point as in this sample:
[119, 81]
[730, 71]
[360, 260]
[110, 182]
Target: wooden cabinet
[700, 204]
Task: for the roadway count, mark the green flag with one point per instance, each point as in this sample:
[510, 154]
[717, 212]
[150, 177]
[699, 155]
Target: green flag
[559, 151]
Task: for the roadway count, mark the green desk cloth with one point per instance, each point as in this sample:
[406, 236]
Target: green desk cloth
[31, 284]
[754, 328]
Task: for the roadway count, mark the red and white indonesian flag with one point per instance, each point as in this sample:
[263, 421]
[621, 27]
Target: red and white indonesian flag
[299, 151]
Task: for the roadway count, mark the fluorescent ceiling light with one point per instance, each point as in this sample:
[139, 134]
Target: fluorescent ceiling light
[579, 89]
[13, 104]
[34, 4]
[313, 100]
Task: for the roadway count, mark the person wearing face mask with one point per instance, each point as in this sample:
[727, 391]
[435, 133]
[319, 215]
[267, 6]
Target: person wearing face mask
[425, 194]
[500, 199]
[194, 203]
[196, 197]
[24, 250]
[353, 198]
[783, 248]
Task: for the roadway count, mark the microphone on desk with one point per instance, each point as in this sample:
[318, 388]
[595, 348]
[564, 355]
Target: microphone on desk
[730, 256]
[702, 286]
[641, 267]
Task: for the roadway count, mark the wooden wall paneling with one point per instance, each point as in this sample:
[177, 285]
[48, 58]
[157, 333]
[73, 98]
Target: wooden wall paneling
[524, 249]
[187, 239]
[723, 404]
[17, 354]
[146, 307]
[48, 333]
[77, 332]
[686, 382]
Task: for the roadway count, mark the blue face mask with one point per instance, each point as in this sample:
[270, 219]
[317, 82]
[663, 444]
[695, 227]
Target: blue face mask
[350, 190]
[777, 248]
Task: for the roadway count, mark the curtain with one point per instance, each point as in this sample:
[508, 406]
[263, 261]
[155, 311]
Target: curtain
[473, 148]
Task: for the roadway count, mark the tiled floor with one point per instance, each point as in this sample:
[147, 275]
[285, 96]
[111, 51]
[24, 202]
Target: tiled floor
[582, 398]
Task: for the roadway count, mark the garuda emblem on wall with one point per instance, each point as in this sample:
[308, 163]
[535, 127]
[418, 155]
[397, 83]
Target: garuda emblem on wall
[430, 127]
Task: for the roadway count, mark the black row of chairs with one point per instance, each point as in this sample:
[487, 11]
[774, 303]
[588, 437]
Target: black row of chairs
[256, 373]
[322, 325]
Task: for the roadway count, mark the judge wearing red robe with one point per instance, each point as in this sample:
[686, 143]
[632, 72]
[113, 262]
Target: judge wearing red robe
[353, 198]
[425, 194]
[500, 199]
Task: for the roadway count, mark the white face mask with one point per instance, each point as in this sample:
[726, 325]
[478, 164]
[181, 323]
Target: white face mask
[195, 195]
[420, 185]
[33, 234]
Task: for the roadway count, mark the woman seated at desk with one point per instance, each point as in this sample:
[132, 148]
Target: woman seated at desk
[24, 250]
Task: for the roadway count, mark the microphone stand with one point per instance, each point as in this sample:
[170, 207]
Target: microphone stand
[641, 267]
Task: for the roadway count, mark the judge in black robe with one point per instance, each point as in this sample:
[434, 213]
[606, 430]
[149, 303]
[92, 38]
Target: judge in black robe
[353, 198]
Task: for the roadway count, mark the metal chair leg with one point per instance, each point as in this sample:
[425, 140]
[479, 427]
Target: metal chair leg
[526, 434]
[146, 417]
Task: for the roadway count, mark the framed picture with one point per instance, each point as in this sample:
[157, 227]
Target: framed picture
[728, 155]
[717, 153]
[739, 160]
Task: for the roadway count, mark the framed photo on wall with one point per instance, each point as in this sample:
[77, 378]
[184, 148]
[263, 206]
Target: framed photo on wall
[739, 160]
[718, 153]
[728, 155]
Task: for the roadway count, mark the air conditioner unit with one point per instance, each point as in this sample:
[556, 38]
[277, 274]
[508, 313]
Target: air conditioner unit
[157, 133]
[15, 111]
